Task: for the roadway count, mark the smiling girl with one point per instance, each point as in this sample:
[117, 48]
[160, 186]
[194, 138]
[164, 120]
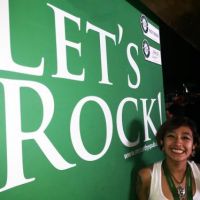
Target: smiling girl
[174, 178]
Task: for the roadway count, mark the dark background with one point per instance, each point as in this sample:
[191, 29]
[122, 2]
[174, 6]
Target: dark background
[180, 61]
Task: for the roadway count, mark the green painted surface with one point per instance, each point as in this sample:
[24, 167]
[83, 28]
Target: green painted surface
[71, 125]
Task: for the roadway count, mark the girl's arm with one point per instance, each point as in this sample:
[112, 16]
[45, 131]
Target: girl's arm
[143, 183]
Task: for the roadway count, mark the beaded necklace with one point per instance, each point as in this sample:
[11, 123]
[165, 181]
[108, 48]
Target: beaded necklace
[179, 192]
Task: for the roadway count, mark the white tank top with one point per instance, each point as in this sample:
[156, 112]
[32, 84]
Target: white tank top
[156, 188]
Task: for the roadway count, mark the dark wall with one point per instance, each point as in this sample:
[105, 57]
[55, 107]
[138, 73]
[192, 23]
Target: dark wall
[180, 61]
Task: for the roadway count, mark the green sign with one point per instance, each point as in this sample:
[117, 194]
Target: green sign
[81, 98]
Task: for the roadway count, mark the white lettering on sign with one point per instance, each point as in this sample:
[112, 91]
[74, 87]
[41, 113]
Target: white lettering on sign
[133, 65]
[6, 61]
[62, 43]
[103, 50]
[15, 136]
[120, 128]
[76, 132]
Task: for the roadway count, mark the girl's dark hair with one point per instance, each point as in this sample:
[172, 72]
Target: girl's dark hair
[174, 123]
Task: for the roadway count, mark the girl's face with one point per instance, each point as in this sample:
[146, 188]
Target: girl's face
[178, 144]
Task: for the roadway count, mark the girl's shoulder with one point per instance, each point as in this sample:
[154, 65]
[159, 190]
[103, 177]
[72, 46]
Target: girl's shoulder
[146, 171]
[144, 174]
[143, 182]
